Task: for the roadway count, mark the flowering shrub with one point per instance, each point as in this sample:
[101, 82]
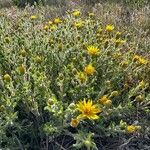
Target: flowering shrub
[73, 77]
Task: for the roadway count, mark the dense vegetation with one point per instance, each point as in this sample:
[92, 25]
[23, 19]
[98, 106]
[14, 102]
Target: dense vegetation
[75, 77]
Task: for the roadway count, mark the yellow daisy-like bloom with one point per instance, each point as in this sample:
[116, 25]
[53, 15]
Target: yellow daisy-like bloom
[142, 84]
[79, 24]
[89, 69]
[117, 55]
[109, 28]
[118, 34]
[46, 27]
[53, 27]
[140, 60]
[133, 128]
[57, 21]
[92, 50]
[74, 122]
[33, 17]
[88, 110]
[119, 41]
[91, 14]
[76, 13]
[50, 22]
[136, 57]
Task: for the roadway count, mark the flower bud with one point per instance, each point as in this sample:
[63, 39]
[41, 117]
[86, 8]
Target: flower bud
[7, 40]
[61, 76]
[114, 93]
[7, 78]
[87, 143]
[139, 98]
[38, 59]
[74, 123]
[21, 69]
[74, 71]
[107, 103]
[123, 124]
[23, 53]
[60, 46]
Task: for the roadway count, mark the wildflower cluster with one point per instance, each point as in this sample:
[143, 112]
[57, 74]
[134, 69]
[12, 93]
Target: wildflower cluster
[73, 72]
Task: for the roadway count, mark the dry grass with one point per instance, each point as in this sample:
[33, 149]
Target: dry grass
[5, 3]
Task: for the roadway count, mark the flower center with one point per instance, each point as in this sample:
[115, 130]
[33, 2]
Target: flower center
[87, 111]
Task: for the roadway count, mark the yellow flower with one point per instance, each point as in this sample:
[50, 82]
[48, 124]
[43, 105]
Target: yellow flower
[89, 69]
[143, 61]
[133, 128]
[142, 84]
[53, 27]
[136, 57]
[76, 13]
[33, 17]
[46, 27]
[117, 55]
[124, 63]
[140, 60]
[74, 122]
[57, 21]
[7, 78]
[118, 33]
[109, 28]
[79, 24]
[88, 110]
[91, 14]
[50, 22]
[92, 50]
[119, 41]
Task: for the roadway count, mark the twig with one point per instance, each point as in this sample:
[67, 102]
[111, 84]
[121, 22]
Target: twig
[20, 145]
[121, 146]
[61, 148]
